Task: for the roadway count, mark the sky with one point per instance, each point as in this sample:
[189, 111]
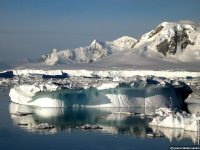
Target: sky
[30, 28]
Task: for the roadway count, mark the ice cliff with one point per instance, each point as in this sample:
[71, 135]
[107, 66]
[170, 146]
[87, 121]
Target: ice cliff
[132, 92]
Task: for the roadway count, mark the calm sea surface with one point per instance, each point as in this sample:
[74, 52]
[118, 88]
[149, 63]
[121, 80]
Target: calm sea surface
[120, 132]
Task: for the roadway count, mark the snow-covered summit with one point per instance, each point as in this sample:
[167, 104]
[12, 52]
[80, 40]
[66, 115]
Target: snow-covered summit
[97, 44]
[174, 40]
[125, 42]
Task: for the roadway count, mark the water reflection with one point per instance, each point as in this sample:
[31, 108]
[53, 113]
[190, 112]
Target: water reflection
[131, 121]
[177, 134]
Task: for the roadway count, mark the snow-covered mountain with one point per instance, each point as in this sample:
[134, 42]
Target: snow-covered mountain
[174, 40]
[171, 41]
[95, 51]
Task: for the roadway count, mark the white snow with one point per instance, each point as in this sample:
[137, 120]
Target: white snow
[175, 119]
[124, 43]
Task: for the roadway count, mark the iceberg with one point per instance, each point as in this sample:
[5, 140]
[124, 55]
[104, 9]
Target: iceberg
[109, 94]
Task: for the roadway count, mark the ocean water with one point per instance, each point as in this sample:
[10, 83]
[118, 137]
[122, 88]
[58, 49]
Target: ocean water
[120, 131]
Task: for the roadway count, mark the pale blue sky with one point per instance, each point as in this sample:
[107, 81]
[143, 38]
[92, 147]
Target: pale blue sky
[30, 28]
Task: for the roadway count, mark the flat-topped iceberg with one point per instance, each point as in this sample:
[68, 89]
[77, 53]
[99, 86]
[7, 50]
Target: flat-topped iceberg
[136, 93]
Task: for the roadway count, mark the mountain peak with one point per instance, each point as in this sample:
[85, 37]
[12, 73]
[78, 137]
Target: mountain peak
[125, 42]
[172, 39]
[96, 44]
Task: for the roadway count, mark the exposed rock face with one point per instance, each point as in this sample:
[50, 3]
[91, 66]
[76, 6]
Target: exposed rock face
[180, 39]
[157, 30]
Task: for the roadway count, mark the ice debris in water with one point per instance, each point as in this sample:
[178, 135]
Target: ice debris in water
[166, 117]
[89, 127]
[43, 126]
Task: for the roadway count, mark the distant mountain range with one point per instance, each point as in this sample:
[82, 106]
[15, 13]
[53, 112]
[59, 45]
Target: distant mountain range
[95, 51]
[171, 41]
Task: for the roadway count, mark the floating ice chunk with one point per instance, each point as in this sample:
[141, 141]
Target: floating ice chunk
[89, 127]
[175, 119]
[43, 126]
